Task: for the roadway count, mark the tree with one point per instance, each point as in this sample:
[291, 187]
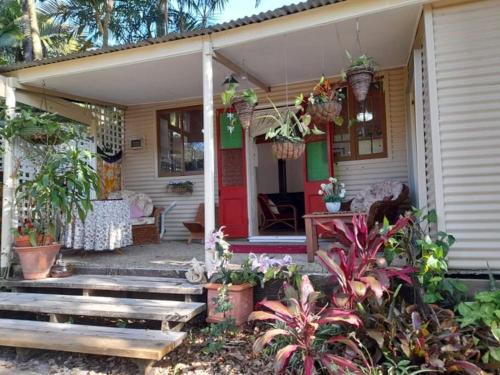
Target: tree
[55, 37]
[32, 42]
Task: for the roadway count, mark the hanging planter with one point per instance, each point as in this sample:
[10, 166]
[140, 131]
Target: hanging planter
[180, 187]
[286, 150]
[244, 110]
[325, 104]
[360, 75]
[243, 102]
[289, 130]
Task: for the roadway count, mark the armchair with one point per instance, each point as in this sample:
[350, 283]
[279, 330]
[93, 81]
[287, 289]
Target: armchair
[272, 214]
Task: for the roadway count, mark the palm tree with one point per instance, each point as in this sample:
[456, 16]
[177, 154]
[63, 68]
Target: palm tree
[56, 38]
[32, 43]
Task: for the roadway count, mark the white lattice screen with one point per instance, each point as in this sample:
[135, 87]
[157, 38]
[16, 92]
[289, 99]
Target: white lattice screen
[109, 130]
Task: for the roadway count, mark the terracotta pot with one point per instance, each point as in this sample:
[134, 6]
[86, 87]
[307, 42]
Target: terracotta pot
[37, 261]
[22, 241]
[240, 296]
[360, 79]
[244, 111]
[288, 150]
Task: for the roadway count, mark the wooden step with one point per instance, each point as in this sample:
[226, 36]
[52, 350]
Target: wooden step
[122, 342]
[162, 285]
[110, 307]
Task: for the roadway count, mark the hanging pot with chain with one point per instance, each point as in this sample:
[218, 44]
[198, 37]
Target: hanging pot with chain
[244, 111]
[288, 150]
[360, 79]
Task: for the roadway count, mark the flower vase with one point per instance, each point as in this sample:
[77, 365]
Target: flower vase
[332, 206]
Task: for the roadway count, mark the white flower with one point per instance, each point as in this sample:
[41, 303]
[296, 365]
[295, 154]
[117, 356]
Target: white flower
[342, 193]
[342, 185]
[320, 192]
[323, 186]
[311, 99]
[334, 180]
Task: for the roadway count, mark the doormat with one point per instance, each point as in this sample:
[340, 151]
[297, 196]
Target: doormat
[269, 249]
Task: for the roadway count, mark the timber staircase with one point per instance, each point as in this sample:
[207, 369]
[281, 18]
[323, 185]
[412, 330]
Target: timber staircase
[75, 296]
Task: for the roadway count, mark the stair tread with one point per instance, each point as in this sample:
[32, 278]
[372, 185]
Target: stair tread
[112, 307]
[115, 283]
[123, 342]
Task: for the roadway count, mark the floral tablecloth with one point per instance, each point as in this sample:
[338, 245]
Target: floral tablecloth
[106, 227]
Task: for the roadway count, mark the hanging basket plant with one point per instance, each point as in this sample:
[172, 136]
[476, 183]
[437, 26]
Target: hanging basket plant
[360, 75]
[289, 130]
[180, 187]
[39, 128]
[325, 104]
[244, 103]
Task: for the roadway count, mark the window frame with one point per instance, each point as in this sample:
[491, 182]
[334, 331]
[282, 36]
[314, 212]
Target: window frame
[159, 114]
[353, 136]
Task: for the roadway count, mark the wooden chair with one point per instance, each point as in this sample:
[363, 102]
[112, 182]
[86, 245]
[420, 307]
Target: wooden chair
[287, 213]
[143, 234]
[196, 227]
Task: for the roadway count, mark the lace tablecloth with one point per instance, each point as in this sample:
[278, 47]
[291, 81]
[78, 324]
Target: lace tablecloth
[106, 227]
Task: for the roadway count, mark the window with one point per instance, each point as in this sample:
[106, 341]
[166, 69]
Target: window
[180, 142]
[366, 137]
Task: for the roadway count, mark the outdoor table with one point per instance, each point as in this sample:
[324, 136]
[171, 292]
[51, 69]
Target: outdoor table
[106, 227]
[311, 221]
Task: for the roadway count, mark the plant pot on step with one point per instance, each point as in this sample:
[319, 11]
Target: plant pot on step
[37, 261]
[324, 113]
[271, 291]
[288, 150]
[240, 296]
[24, 240]
[244, 111]
[360, 79]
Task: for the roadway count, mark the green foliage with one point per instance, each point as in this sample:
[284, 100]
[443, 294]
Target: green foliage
[290, 127]
[63, 180]
[484, 313]
[219, 332]
[428, 255]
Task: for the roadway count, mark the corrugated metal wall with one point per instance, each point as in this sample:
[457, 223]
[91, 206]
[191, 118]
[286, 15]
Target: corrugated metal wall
[467, 51]
[140, 173]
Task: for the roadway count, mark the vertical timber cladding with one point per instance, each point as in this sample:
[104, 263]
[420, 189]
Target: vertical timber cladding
[467, 53]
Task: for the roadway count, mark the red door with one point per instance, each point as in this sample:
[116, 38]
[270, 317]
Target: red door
[318, 167]
[232, 178]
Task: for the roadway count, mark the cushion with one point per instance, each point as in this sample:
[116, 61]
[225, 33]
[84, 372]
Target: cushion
[272, 207]
[135, 211]
[140, 200]
[143, 220]
[387, 190]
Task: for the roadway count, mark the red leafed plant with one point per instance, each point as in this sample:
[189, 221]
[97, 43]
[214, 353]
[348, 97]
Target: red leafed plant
[356, 265]
[299, 322]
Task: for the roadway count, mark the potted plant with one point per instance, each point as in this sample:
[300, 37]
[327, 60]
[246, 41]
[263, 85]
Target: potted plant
[180, 187]
[59, 188]
[333, 192]
[244, 103]
[325, 103]
[359, 75]
[290, 130]
[271, 274]
[236, 283]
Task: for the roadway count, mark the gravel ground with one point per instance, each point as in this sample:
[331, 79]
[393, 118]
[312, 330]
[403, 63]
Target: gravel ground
[236, 358]
[169, 255]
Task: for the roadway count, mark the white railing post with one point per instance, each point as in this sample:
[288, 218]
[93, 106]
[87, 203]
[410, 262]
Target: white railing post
[209, 150]
[9, 178]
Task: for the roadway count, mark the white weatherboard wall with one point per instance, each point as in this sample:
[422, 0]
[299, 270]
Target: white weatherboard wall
[467, 52]
[140, 166]
[357, 175]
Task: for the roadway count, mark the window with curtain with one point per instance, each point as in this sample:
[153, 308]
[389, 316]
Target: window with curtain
[366, 137]
[180, 142]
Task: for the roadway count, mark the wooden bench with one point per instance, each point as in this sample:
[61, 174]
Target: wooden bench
[145, 345]
[58, 306]
[90, 283]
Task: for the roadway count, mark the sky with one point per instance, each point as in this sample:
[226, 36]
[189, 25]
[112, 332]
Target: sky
[242, 8]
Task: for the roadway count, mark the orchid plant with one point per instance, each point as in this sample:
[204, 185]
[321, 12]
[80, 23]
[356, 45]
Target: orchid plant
[333, 191]
[267, 268]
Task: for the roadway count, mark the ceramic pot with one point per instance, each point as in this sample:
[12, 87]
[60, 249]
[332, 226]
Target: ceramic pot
[332, 206]
[240, 296]
[37, 261]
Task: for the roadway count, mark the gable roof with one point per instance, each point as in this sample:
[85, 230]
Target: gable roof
[240, 22]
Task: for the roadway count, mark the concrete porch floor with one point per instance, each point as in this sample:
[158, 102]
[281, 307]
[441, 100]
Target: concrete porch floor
[166, 256]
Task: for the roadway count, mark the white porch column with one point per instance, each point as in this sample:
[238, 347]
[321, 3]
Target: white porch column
[209, 149]
[8, 203]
